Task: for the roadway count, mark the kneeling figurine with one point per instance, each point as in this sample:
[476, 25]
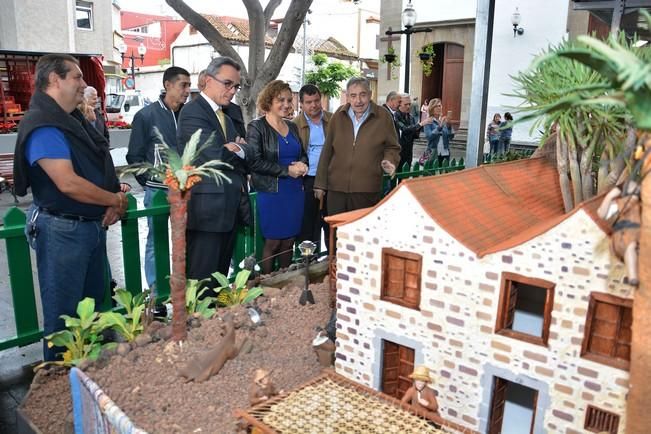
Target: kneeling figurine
[262, 388]
[421, 397]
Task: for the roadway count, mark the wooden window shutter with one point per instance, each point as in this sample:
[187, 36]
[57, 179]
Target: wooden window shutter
[497, 406]
[510, 309]
[598, 420]
[607, 337]
[401, 277]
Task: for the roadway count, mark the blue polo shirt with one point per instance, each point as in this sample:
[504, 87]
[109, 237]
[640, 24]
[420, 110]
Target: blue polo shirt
[314, 148]
[46, 142]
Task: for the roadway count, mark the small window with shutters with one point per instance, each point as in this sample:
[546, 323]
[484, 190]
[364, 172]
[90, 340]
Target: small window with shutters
[607, 336]
[401, 277]
[598, 420]
[525, 308]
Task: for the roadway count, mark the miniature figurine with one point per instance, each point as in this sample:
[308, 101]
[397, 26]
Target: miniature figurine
[262, 387]
[421, 397]
[623, 210]
[209, 363]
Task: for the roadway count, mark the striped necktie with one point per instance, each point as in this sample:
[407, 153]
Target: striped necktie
[222, 119]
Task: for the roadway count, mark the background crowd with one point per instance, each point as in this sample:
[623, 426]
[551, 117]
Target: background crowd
[303, 168]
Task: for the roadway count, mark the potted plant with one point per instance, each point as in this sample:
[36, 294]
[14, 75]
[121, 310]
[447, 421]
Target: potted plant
[391, 58]
[426, 56]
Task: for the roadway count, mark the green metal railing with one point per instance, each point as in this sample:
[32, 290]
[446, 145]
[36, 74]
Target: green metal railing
[432, 167]
[249, 241]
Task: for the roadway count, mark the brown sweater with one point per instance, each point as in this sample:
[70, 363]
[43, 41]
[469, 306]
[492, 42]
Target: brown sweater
[352, 165]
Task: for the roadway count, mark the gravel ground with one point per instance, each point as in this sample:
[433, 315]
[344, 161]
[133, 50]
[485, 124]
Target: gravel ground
[145, 385]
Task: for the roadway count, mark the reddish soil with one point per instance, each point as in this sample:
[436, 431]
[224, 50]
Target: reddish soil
[145, 385]
[48, 403]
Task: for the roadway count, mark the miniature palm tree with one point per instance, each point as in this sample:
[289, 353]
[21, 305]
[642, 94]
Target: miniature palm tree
[179, 174]
[628, 72]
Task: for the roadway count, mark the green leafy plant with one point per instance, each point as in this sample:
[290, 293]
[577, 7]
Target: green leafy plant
[391, 57]
[236, 293]
[82, 337]
[194, 300]
[590, 137]
[426, 56]
[328, 76]
[130, 325]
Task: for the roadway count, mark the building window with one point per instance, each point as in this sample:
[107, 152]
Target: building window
[401, 277]
[525, 309]
[607, 337]
[84, 15]
[598, 420]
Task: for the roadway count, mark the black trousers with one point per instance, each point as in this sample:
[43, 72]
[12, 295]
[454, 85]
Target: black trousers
[313, 222]
[406, 155]
[209, 252]
[339, 202]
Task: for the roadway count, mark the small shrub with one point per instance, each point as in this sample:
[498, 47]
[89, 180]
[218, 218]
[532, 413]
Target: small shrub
[130, 325]
[236, 293]
[82, 337]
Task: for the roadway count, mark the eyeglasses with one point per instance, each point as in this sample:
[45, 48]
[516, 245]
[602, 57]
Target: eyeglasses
[227, 83]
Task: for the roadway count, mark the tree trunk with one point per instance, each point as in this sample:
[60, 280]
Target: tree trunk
[178, 219]
[564, 180]
[260, 69]
[638, 416]
[575, 173]
[587, 178]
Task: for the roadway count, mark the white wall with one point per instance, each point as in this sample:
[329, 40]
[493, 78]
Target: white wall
[443, 10]
[544, 23]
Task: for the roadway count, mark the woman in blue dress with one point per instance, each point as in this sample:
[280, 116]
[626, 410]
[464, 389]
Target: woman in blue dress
[278, 163]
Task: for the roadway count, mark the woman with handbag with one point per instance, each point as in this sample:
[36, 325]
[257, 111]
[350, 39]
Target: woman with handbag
[278, 163]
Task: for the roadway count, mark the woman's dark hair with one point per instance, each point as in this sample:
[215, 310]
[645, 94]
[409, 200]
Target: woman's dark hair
[508, 116]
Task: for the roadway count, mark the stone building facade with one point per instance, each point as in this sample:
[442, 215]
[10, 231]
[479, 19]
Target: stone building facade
[466, 263]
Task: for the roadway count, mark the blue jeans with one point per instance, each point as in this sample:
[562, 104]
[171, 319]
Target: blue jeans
[71, 261]
[495, 146]
[150, 261]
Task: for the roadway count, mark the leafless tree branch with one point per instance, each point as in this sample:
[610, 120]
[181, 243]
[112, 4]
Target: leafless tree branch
[204, 27]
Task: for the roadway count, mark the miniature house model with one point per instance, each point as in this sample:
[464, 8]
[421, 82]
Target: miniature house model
[517, 307]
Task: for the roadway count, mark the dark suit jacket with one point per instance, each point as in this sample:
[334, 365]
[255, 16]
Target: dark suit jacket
[395, 121]
[212, 207]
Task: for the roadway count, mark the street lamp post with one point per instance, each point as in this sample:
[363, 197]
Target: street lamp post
[142, 50]
[408, 21]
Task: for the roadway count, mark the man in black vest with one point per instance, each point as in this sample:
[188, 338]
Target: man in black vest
[76, 193]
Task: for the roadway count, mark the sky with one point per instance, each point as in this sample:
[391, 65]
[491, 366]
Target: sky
[232, 8]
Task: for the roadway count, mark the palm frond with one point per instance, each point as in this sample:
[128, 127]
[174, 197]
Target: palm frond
[190, 150]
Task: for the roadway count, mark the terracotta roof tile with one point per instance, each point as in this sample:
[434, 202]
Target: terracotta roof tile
[491, 207]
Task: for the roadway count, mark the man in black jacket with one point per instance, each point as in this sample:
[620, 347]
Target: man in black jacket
[409, 130]
[153, 125]
[391, 104]
[212, 210]
[76, 193]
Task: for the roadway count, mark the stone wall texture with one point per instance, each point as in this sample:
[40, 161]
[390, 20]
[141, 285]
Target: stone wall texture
[459, 301]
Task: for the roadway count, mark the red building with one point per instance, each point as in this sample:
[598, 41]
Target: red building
[156, 32]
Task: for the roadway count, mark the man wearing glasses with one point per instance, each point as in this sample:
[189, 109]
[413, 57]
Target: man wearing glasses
[212, 210]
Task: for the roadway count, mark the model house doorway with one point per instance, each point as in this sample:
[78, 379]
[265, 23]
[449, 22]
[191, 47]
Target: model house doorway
[446, 80]
[397, 365]
[513, 408]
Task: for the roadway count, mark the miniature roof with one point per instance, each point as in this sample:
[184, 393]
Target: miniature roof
[492, 207]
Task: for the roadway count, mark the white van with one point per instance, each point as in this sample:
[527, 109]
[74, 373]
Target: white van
[123, 106]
